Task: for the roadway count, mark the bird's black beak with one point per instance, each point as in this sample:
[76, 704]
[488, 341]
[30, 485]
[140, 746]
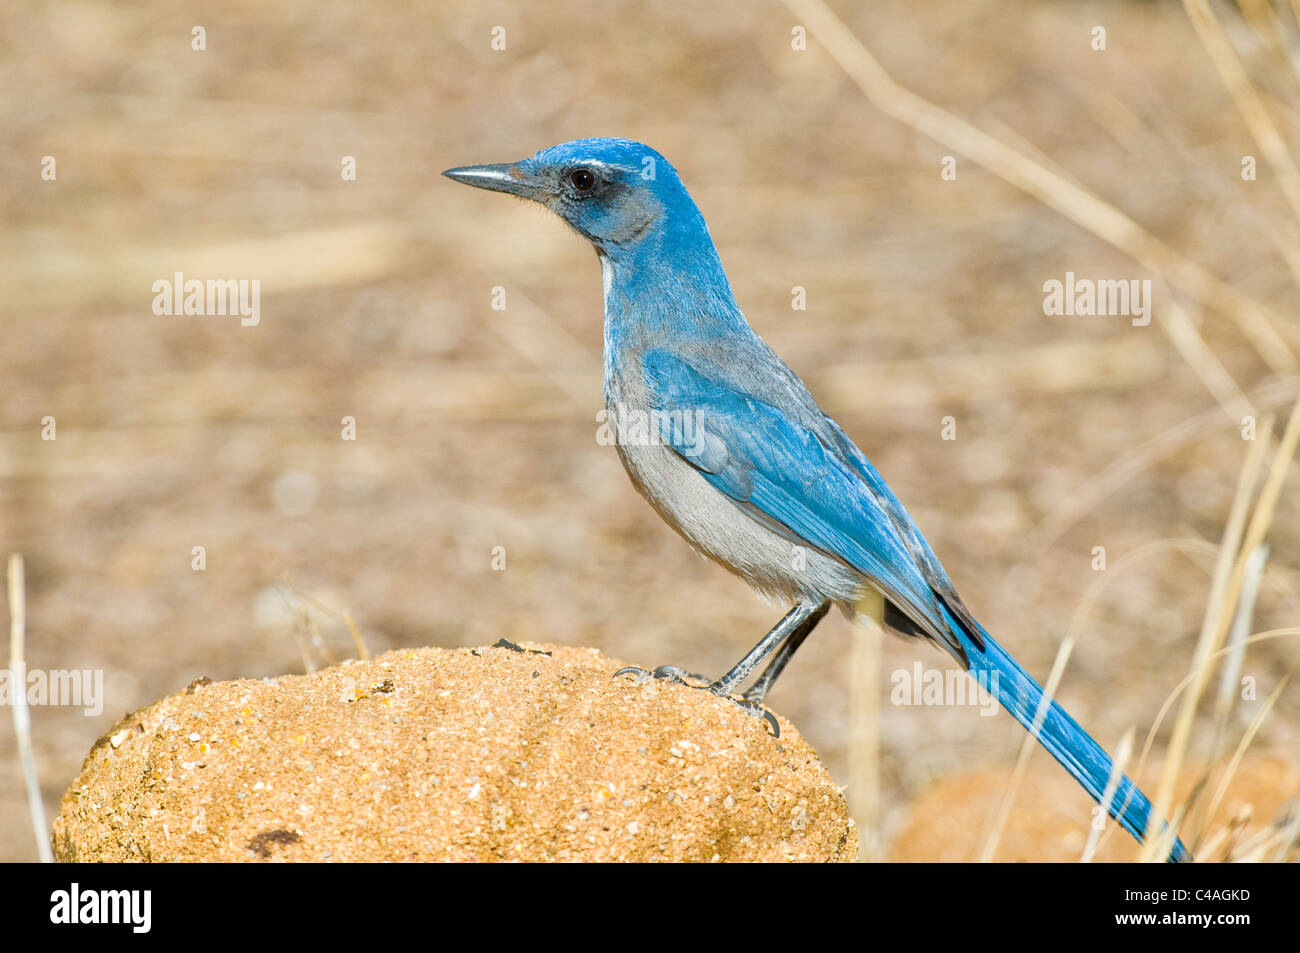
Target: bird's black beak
[505, 177]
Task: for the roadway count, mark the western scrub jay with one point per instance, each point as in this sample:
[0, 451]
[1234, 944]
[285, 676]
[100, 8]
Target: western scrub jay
[728, 446]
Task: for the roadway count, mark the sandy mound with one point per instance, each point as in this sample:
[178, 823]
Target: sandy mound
[532, 753]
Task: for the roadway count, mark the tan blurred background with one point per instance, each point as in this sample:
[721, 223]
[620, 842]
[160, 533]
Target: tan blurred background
[476, 428]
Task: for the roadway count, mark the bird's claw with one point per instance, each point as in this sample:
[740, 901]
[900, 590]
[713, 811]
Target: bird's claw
[677, 676]
[755, 710]
[667, 673]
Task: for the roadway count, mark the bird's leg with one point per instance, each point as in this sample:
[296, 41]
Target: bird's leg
[723, 687]
[790, 624]
[758, 691]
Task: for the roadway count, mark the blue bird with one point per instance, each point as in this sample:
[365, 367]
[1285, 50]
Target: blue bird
[729, 447]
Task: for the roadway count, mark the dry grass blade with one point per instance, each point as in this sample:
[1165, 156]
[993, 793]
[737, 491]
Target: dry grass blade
[1188, 679]
[1255, 849]
[1220, 612]
[22, 718]
[1223, 842]
[1120, 567]
[1234, 763]
[1248, 102]
[1257, 322]
[1123, 751]
[864, 738]
[1229, 684]
[1266, 23]
[299, 605]
[1191, 676]
[1182, 333]
[362, 651]
[1290, 837]
[1070, 510]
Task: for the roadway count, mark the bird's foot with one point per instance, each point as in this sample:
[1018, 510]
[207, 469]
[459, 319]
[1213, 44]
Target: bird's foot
[667, 673]
[671, 673]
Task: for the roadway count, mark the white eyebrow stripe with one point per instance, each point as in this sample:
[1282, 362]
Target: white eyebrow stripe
[605, 167]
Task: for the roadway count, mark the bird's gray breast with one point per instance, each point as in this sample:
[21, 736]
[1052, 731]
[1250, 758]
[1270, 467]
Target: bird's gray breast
[713, 523]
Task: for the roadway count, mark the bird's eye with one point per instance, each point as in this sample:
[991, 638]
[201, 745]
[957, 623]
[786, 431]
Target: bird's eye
[583, 179]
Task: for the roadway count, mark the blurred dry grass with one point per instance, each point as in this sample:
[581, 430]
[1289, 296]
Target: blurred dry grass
[476, 427]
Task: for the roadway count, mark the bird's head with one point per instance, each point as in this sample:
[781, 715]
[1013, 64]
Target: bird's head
[620, 195]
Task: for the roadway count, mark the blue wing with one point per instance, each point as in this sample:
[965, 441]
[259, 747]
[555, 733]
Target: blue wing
[778, 469]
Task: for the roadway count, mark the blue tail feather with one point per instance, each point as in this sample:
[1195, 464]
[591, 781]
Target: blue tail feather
[1060, 734]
